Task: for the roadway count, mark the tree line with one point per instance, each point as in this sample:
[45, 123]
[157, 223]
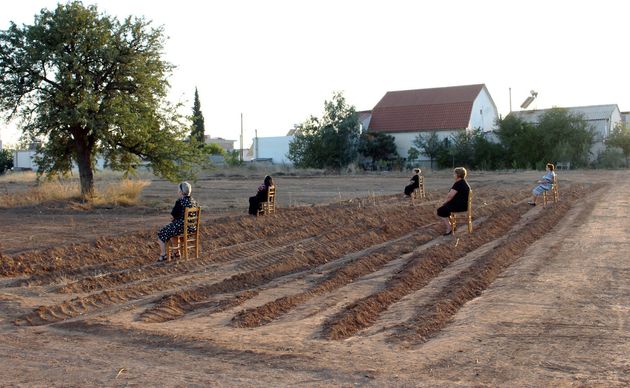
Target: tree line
[335, 140]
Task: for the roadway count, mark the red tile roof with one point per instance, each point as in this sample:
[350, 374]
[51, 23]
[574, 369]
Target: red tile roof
[425, 109]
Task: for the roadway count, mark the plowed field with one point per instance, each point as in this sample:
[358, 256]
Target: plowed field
[362, 290]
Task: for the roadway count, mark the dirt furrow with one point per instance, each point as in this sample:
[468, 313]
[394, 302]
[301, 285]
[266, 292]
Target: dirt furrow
[470, 283]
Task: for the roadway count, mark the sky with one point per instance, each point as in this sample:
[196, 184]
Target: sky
[276, 62]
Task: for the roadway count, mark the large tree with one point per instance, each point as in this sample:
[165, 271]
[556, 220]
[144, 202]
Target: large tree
[330, 141]
[87, 84]
[198, 127]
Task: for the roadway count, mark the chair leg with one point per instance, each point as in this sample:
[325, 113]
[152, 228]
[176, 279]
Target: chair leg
[453, 221]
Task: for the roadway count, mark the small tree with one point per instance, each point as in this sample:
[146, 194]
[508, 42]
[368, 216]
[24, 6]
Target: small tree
[6, 160]
[429, 145]
[620, 138]
[378, 146]
[198, 127]
[412, 155]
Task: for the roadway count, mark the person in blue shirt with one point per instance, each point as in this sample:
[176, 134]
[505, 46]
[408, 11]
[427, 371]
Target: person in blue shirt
[544, 184]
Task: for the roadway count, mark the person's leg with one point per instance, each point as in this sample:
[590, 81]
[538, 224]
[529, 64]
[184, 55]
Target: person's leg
[253, 206]
[444, 212]
[162, 247]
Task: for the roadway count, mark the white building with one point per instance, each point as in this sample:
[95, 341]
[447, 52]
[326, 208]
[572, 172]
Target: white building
[601, 118]
[275, 148]
[406, 114]
[227, 145]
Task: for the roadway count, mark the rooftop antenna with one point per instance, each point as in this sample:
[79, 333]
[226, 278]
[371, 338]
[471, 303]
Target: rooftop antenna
[530, 99]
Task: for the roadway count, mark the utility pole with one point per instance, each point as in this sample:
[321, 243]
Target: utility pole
[256, 134]
[241, 137]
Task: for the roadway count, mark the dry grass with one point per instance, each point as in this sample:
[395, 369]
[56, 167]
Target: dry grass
[124, 192]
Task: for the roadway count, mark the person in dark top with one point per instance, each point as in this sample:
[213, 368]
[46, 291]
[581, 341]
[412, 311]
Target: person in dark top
[176, 227]
[261, 196]
[415, 182]
[456, 199]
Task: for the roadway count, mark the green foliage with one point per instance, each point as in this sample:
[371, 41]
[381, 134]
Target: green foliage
[198, 127]
[6, 160]
[559, 136]
[413, 154]
[327, 142]
[86, 84]
[611, 157]
[378, 146]
[213, 149]
[429, 144]
[233, 158]
[620, 138]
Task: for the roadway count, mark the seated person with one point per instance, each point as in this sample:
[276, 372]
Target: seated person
[456, 199]
[415, 182]
[261, 196]
[176, 227]
[544, 184]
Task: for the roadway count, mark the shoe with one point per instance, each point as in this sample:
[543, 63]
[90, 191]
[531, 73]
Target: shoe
[531, 203]
[161, 259]
[448, 233]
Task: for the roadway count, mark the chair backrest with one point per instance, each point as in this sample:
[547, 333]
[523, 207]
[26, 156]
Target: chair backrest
[271, 194]
[192, 217]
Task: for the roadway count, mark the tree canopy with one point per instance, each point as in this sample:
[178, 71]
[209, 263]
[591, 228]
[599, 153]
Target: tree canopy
[558, 136]
[620, 138]
[330, 141]
[87, 84]
[6, 160]
[429, 145]
[378, 146]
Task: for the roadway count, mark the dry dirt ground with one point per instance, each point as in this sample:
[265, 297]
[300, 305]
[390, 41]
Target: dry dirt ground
[348, 284]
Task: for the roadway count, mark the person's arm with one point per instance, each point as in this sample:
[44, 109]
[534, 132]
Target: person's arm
[178, 210]
[450, 196]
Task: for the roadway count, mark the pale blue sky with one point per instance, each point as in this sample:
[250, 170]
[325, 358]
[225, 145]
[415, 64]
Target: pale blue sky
[277, 61]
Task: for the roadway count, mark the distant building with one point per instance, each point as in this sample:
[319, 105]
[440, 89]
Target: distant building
[407, 113]
[601, 118]
[227, 145]
[275, 148]
[625, 120]
[364, 119]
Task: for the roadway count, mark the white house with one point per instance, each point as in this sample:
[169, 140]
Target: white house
[275, 148]
[601, 118]
[407, 113]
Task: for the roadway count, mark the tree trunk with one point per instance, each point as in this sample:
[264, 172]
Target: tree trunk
[86, 173]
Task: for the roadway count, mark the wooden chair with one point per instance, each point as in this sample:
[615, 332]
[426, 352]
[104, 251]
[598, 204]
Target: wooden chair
[554, 192]
[269, 206]
[190, 238]
[419, 192]
[453, 217]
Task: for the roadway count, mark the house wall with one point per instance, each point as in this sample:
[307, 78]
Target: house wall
[24, 159]
[404, 140]
[274, 147]
[484, 113]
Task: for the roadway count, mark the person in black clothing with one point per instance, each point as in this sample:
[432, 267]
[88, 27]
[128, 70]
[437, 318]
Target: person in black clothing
[415, 182]
[456, 199]
[261, 196]
[176, 227]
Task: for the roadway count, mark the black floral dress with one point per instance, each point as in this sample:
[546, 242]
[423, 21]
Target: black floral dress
[176, 227]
